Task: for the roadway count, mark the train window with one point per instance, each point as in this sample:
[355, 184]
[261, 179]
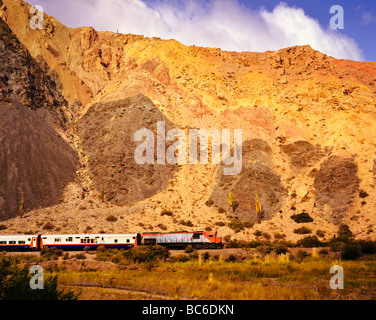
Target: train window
[116, 240]
[29, 239]
[70, 239]
[128, 240]
[21, 242]
[12, 242]
[57, 239]
[210, 236]
[3, 242]
[134, 237]
[196, 236]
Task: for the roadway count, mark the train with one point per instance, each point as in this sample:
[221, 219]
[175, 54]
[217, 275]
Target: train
[77, 242]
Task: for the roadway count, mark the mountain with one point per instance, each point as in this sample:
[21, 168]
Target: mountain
[307, 122]
[36, 161]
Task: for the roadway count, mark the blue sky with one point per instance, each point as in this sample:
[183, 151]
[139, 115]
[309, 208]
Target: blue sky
[235, 25]
[359, 18]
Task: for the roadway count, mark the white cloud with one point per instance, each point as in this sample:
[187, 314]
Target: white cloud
[215, 23]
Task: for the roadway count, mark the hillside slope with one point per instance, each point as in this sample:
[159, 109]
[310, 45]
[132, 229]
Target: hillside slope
[307, 120]
[36, 162]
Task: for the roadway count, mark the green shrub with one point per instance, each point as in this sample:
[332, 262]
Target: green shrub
[310, 242]
[48, 226]
[104, 254]
[146, 253]
[51, 253]
[320, 233]
[111, 218]
[187, 223]
[281, 249]
[231, 258]
[303, 217]
[189, 249]
[166, 213]
[236, 225]
[279, 236]
[363, 194]
[257, 233]
[302, 230]
[350, 251]
[180, 258]
[234, 243]
[301, 254]
[209, 202]
[368, 247]
[206, 255]
[162, 226]
[248, 224]
[15, 284]
[80, 256]
[344, 232]
[335, 246]
[324, 252]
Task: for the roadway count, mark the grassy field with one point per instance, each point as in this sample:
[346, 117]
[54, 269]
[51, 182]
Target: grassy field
[155, 273]
[271, 277]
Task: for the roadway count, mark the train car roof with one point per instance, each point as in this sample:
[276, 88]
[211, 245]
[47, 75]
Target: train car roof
[174, 232]
[90, 235]
[18, 235]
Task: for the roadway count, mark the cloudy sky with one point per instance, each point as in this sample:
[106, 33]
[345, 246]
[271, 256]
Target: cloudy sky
[236, 25]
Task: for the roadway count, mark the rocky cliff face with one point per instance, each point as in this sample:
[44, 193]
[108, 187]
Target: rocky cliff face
[36, 162]
[307, 123]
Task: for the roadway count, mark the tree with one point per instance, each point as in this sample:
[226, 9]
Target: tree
[232, 202]
[344, 232]
[15, 284]
[102, 193]
[259, 209]
[21, 206]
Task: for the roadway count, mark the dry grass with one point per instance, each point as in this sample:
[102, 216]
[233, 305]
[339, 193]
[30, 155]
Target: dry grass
[258, 278]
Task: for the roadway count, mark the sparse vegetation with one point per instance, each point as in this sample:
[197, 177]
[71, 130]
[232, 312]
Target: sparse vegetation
[302, 230]
[209, 202]
[236, 225]
[51, 253]
[166, 213]
[15, 279]
[320, 233]
[184, 275]
[111, 218]
[48, 226]
[310, 242]
[187, 223]
[363, 194]
[162, 226]
[303, 217]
